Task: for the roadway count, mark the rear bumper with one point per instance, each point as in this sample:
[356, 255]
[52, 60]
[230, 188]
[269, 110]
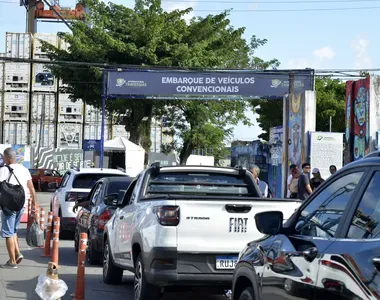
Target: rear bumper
[167, 267]
[68, 224]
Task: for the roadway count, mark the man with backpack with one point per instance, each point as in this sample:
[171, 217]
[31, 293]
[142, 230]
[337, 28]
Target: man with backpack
[16, 175]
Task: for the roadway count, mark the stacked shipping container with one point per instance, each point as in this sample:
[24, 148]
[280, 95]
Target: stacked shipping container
[43, 129]
[16, 89]
[93, 124]
[70, 122]
[32, 109]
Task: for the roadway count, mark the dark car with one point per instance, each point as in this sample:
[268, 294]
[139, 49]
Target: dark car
[328, 249]
[97, 209]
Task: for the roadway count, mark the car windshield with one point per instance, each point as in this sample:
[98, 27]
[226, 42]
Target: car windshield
[87, 181]
[118, 187]
[197, 183]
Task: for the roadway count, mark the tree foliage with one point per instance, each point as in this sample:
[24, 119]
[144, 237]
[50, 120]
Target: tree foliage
[149, 36]
[330, 93]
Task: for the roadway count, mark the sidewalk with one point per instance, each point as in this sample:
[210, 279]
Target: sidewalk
[21, 282]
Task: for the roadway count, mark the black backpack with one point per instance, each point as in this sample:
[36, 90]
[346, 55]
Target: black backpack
[12, 196]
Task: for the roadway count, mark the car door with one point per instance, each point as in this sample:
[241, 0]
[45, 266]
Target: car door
[293, 260]
[126, 219]
[117, 230]
[352, 271]
[87, 212]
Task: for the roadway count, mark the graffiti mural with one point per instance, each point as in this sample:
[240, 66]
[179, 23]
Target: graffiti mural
[357, 138]
[59, 159]
[255, 152]
[296, 119]
[274, 172]
[22, 154]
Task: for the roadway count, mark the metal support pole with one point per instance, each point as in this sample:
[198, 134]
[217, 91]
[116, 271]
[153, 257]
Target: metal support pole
[330, 123]
[104, 98]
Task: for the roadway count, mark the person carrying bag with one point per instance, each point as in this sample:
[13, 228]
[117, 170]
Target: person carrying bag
[15, 181]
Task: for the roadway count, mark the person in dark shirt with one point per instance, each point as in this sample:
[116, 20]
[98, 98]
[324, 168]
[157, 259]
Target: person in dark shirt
[304, 189]
[317, 179]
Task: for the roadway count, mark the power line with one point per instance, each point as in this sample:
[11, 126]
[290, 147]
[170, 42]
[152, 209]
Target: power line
[85, 65]
[288, 10]
[268, 2]
[275, 10]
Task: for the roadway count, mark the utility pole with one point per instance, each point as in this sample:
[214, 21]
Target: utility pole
[31, 22]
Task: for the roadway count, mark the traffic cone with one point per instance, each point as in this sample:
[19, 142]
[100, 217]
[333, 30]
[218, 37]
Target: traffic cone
[48, 236]
[80, 286]
[56, 240]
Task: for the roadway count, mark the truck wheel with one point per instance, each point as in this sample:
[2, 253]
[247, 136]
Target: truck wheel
[143, 289]
[111, 273]
[247, 294]
[290, 287]
[92, 258]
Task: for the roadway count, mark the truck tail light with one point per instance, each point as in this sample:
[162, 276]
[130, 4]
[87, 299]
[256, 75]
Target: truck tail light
[103, 219]
[167, 215]
[74, 196]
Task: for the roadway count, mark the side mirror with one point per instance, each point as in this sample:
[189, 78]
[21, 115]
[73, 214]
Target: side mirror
[111, 199]
[81, 199]
[269, 222]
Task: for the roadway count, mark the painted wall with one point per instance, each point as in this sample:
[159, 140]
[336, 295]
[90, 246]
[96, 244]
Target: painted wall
[301, 120]
[22, 154]
[59, 159]
[358, 133]
[275, 167]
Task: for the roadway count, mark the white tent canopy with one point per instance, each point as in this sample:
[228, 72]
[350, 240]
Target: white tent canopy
[134, 154]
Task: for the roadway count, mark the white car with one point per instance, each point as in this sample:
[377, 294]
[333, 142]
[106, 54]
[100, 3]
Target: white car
[75, 184]
[184, 226]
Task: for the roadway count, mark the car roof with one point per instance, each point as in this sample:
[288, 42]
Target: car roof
[97, 171]
[205, 169]
[113, 179]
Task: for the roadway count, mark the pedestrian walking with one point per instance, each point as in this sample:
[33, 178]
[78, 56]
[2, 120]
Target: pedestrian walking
[304, 189]
[317, 179]
[290, 177]
[293, 184]
[10, 220]
[255, 170]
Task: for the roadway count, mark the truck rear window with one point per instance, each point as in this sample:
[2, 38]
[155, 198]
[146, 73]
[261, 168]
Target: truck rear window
[119, 187]
[197, 183]
[87, 181]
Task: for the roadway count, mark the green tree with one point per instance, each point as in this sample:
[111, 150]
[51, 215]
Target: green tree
[115, 34]
[110, 36]
[330, 93]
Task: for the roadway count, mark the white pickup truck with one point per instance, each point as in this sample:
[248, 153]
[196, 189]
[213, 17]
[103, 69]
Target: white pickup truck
[184, 226]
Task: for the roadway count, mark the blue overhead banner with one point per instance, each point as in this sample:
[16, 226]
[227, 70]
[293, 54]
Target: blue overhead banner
[206, 85]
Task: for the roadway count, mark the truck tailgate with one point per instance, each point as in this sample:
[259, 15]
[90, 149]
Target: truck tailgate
[223, 226]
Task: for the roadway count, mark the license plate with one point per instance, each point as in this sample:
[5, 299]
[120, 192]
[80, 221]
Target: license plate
[226, 262]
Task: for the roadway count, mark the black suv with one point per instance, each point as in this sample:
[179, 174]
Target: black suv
[328, 249]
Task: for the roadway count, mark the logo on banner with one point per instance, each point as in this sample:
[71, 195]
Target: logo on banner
[120, 82]
[275, 83]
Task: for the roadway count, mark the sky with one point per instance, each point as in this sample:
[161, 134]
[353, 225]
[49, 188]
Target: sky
[300, 33]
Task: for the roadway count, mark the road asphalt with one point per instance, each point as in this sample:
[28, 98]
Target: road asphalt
[21, 283]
